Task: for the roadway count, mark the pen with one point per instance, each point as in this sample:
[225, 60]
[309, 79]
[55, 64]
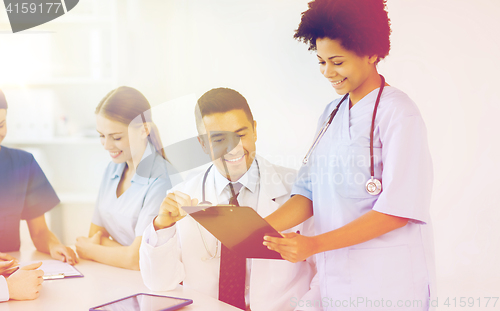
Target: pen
[10, 271]
[53, 276]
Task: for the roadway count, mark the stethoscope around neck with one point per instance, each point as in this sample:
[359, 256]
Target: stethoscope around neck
[208, 203]
[203, 188]
[204, 185]
[373, 185]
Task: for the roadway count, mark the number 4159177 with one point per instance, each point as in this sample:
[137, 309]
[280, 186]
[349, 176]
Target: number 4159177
[471, 302]
[33, 8]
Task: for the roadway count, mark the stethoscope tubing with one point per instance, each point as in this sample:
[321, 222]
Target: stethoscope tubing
[327, 124]
[204, 183]
[203, 196]
[323, 130]
[203, 186]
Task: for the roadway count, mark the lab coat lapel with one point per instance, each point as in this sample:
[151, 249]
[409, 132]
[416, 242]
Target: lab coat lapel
[272, 193]
[271, 188]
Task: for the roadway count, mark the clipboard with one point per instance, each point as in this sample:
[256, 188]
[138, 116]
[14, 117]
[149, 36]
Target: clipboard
[55, 269]
[239, 228]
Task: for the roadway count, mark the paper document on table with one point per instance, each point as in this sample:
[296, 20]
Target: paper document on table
[55, 269]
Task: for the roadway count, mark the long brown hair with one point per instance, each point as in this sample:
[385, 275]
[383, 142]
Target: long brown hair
[124, 105]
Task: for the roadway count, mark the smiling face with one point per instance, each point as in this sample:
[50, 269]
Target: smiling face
[240, 158]
[346, 71]
[3, 124]
[117, 138]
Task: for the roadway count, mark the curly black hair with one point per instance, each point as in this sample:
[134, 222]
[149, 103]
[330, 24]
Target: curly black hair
[362, 26]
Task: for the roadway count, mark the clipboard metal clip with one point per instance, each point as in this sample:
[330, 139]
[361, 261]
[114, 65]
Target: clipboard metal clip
[53, 276]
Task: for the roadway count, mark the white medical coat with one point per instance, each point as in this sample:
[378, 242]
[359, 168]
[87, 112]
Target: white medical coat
[4, 289]
[274, 284]
[392, 267]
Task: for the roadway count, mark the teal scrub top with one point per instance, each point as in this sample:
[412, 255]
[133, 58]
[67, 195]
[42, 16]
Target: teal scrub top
[25, 193]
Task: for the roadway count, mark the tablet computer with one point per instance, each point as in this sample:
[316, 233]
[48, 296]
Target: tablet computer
[144, 302]
[239, 228]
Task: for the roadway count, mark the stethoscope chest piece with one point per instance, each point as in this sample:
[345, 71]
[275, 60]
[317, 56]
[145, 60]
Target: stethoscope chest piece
[373, 186]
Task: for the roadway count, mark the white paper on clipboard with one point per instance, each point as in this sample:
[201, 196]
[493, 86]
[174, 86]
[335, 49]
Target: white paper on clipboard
[53, 269]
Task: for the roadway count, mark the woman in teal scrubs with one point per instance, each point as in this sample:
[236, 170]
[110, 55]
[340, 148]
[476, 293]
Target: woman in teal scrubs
[134, 183]
[369, 245]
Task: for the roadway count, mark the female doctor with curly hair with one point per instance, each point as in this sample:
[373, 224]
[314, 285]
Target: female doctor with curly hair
[367, 178]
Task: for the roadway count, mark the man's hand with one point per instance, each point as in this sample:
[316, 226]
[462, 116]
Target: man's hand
[63, 253]
[26, 283]
[171, 211]
[84, 245]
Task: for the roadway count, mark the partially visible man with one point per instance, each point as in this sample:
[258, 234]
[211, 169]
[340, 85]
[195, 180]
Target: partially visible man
[25, 193]
[177, 249]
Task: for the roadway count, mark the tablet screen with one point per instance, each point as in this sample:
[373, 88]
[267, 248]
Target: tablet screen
[143, 302]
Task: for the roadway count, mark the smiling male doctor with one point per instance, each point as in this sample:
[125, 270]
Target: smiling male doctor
[176, 249]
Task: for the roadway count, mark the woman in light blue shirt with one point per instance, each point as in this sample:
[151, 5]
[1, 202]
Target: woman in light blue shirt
[134, 183]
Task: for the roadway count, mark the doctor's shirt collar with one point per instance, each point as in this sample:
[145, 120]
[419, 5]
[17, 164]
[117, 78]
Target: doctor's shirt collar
[248, 180]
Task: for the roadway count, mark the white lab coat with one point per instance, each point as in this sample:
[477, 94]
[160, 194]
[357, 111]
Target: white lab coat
[274, 284]
[4, 289]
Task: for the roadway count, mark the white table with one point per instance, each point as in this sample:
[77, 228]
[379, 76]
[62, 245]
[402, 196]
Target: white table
[100, 284]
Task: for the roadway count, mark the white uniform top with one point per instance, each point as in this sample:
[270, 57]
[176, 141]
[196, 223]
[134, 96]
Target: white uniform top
[393, 266]
[4, 289]
[127, 216]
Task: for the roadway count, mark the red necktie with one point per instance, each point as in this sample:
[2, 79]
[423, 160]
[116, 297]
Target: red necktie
[232, 270]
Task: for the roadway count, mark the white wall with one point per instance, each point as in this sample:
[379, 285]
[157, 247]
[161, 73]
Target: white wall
[444, 55]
